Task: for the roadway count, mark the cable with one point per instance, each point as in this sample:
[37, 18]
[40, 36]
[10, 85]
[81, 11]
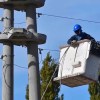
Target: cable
[20, 23]
[53, 74]
[48, 83]
[51, 50]
[4, 72]
[5, 66]
[40, 52]
[68, 18]
[21, 66]
[41, 59]
[63, 59]
[16, 65]
[27, 68]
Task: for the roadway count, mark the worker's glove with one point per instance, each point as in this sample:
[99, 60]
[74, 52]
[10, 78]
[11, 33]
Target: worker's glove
[74, 43]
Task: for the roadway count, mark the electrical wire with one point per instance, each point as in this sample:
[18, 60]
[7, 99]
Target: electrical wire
[63, 17]
[40, 58]
[5, 66]
[27, 68]
[51, 50]
[20, 23]
[62, 63]
[4, 74]
[16, 65]
[49, 83]
[40, 52]
[20, 66]
[68, 18]
[54, 74]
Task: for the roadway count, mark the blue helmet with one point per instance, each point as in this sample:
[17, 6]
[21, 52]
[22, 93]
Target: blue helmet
[77, 27]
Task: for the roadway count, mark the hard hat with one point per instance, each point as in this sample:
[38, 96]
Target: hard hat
[77, 27]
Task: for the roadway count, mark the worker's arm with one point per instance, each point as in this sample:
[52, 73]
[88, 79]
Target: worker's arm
[73, 38]
[89, 37]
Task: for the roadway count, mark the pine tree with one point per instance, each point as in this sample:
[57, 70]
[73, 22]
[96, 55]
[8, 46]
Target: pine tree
[46, 72]
[94, 90]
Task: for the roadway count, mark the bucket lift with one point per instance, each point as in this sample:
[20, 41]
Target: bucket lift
[78, 65]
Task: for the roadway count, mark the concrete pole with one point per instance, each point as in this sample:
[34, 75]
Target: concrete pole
[7, 73]
[32, 50]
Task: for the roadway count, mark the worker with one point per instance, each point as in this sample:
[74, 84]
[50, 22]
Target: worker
[79, 35]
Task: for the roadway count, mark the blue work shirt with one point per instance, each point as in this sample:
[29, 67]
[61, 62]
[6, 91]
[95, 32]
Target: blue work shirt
[79, 37]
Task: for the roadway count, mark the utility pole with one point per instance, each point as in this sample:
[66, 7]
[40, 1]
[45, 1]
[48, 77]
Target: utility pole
[20, 36]
[32, 51]
[7, 70]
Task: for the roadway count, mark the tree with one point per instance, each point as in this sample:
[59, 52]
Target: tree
[46, 72]
[94, 90]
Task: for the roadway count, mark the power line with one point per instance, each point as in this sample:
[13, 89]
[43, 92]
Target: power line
[40, 52]
[49, 49]
[40, 49]
[63, 17]
[20, 66]
[20, 23]
[39, 14]
[54, 73]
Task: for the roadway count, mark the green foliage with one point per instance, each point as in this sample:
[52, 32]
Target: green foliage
[47, 70]
[94, 90]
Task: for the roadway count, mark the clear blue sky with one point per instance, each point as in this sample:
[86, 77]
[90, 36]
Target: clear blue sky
[58, 30]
